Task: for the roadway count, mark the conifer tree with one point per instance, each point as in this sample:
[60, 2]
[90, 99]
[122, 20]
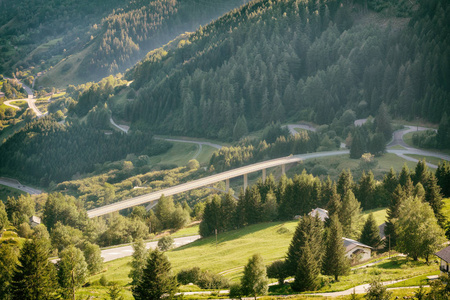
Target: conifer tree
[370, 234]
[334, 204]
[366, 190]
[309, 229]
[308, 270]
[390, 181]
[335, 263]
[392, 216]
[350, 216]
[345, 182]
[443, 177]
[255, 282]
[156, 279]
[73, 271]
[434, 197]
[421, 173]
[34, 276]
[3, 217]
[404, 175]
[9, 254]
[138, 261]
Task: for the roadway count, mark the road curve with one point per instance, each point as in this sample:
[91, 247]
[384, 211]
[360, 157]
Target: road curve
[17, 185]
[292, 127]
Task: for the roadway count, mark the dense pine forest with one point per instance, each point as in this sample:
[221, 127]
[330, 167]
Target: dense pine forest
[117, 34]
[45, 150]
[290, 60]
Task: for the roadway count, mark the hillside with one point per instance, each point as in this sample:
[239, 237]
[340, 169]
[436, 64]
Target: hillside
[88, 40]
[289, 60]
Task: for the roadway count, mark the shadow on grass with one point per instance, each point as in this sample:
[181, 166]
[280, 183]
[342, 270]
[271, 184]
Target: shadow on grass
[399, 263]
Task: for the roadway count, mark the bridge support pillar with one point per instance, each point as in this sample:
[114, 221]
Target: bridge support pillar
[264, 175]
[283, 170]
[227, 185]
[245, 182]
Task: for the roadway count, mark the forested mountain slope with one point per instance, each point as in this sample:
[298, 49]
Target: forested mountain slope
[299, 60]
[111, 35]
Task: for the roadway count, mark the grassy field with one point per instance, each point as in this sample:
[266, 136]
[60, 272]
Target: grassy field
[230, 253]
[430, 159]
[64, 72]
[378, 213]
[181, 153]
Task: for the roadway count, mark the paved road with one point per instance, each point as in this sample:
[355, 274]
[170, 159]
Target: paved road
[30, 100]
[398, 135]
[124, 251]
[292, 127]
[17, 185]
[126, 128]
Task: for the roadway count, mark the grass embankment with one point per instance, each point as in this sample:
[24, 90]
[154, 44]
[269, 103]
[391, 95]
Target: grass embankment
[429, 159]
[230, 253]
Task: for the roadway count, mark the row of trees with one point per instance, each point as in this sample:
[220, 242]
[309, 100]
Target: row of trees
[270, 201]
[247, 151]
[30, 274]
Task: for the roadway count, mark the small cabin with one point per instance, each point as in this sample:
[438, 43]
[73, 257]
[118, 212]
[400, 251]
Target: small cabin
[444, 255]
[34, 221]
[355, 249]
[319, 212]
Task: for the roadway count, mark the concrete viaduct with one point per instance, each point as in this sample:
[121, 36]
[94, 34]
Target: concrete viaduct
[195, 184]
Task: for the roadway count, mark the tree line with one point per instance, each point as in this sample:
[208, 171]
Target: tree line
[287, 198]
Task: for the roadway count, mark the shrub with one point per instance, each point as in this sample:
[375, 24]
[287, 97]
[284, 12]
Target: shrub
[165, 243]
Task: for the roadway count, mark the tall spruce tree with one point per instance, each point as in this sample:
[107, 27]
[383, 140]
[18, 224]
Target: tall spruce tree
[434, 197]
[72, 272]
[334, 203]
[3, 217]
[421, 173]
[366, 190]
[345, 182]
[370, 234]
[335, 263]
[156, 279]
[390, 181]
[9, 254]
[310, 230]
[443, 177]
[404, 175]
[138, 261]
[392, 216]
[308, 271]
[350, 216]
[255, 282]
[34, 276]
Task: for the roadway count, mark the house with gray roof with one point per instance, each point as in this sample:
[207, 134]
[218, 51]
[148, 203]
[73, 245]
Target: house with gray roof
[355, 249]
[444, 255]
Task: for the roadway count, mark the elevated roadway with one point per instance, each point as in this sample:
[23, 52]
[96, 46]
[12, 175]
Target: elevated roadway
[195, 184]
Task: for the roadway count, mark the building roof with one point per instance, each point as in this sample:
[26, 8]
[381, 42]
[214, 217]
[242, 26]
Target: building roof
[35, 219]
[320, 212]
[444, 254]
[350, 244]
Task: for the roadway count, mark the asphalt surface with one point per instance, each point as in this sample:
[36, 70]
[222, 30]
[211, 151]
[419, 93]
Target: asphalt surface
[124, 251]
[17, 185]
[292, 127]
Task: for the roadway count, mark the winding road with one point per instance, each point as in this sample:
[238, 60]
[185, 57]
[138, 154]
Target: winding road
[31, 100]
